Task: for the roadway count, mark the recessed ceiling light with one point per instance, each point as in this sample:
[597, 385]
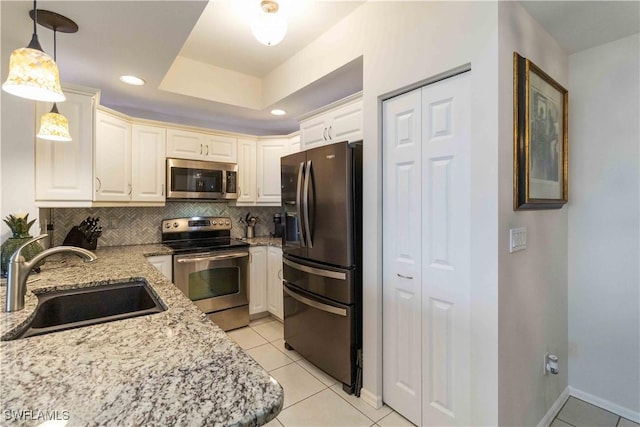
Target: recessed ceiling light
[278, 112]
[132, 80]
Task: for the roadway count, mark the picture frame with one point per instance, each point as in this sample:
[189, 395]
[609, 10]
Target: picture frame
[540, 152]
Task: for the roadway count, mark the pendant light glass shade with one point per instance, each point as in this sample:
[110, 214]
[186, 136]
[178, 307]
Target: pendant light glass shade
[269, 28]
[54, 126]
[32, 73]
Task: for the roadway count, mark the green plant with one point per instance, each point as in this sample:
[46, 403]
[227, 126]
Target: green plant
[19, 225]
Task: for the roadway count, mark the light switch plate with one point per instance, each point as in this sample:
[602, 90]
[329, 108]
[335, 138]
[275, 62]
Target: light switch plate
[517, 239]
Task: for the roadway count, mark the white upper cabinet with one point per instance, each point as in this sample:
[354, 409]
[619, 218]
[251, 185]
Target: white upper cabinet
[337, 122]
[184, 144]
[246, 171]
[64, 170]
[148, 147]
[113, 158]
[269, 153]
[294, 143]
[129, 162]
[219, 148]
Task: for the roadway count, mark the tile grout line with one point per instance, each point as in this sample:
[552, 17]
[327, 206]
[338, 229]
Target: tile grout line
[356, 408]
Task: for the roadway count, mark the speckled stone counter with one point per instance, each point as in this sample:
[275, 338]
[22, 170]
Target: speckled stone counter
[170, 368]
[264, 241]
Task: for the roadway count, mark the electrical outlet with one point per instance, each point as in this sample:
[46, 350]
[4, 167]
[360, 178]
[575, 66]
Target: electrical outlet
[517, 239]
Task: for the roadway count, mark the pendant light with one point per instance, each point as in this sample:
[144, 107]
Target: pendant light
[32, 73]
[269, 28]
[53, 125]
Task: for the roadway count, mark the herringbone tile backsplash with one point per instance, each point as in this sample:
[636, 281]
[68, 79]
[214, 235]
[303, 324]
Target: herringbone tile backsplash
[133, 226]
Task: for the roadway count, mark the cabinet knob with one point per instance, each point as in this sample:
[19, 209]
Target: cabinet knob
[206, 149]
[130, 189]
[99, 184]
[200, 148]
[329, 132]
[162, 194]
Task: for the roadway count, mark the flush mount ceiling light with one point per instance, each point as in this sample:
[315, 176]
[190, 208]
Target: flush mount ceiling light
[132, 80]
[53, 125]
[278, 112]
[32, 73]
[269, 28]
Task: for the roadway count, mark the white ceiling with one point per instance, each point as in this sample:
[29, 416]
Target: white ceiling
[145, 37]
[580, 25]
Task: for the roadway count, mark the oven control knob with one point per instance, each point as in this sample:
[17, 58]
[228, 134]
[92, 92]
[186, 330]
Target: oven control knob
[167, 225]
[227, 222]
[175, 225]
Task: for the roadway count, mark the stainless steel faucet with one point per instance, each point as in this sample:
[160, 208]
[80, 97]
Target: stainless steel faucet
[18, 270]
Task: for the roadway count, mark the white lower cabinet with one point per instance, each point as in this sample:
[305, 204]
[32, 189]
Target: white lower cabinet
[274, 282]
[265, 288]
[163, 263]
[257, 279]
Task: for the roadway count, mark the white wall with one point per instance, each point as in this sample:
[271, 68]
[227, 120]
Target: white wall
[604, 277]
[533, 282]
[402, 44]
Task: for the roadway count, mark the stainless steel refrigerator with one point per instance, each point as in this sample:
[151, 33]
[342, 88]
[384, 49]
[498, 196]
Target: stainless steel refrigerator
[322, 263]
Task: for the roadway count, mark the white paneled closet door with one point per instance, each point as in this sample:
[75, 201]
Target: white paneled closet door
[402, 328]
[438, 217]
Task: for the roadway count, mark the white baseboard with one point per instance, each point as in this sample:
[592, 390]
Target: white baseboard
[370, 398]
[605, 404]
[555, 408]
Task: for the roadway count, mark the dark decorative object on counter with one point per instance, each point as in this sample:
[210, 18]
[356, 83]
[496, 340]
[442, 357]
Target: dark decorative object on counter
[19, 225]
[84, 235]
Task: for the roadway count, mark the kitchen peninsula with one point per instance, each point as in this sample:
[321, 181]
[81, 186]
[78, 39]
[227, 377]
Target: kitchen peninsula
[169, 368]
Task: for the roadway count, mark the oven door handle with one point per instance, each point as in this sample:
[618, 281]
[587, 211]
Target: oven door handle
[315, 304]
[213, 257]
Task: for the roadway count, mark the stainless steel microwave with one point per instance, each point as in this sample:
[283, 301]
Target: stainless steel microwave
[197, 179]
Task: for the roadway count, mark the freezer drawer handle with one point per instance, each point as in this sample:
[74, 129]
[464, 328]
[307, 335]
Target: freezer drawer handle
[316, 271]
[324, 307]
[404, 277]
[213, 258]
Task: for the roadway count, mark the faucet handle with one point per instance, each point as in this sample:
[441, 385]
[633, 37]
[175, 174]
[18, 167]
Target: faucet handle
[17, 253]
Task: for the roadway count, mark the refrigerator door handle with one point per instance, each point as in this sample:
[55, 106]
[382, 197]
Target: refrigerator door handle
[307, 178]
[316, 271]
[318, 305]
[299, 206]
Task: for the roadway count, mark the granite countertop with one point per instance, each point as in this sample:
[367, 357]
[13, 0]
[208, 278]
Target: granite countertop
[264, 241]
[170, 368]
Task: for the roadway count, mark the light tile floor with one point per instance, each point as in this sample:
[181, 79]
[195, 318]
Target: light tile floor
[578, 413]
[313, 398]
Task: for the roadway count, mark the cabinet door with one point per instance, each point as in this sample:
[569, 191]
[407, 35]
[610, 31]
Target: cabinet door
[274, 282]
[63, 170]
[113, 158]
[346, 123]
[246, 171]
[163, 263]
[313, 132]
[257, 279]
[294, 144]
[269, 153]
[218, 148]
[183, 144]
[148, 148]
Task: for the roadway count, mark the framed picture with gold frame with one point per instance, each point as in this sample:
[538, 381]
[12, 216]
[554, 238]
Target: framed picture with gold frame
[540, 119]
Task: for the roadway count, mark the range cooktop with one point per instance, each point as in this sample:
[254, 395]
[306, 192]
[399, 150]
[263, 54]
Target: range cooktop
[199, 234]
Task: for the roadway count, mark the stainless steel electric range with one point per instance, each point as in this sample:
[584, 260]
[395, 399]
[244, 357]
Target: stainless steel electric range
[210, 267]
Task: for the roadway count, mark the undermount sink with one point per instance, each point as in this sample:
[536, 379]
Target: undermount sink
[75, 308]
